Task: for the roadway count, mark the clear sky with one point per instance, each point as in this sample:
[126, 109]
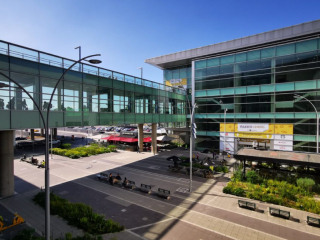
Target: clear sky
[126, 32]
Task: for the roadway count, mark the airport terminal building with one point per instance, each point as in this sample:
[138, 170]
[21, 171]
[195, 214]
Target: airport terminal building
[256, 79]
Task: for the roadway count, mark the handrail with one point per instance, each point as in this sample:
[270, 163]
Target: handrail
[136, 80]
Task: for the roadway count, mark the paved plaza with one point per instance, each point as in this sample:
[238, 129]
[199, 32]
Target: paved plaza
[206, 213]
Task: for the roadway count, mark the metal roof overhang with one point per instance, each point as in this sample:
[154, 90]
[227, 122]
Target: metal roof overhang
[282, 35]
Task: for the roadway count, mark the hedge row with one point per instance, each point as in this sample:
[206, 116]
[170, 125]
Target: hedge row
[79, 215]
[85, 151]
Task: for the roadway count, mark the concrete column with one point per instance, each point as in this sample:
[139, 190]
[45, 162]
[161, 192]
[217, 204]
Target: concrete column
[140, 136]
[6, 163]
[32, 134]
[42, 132]
[55, 133]
[154, 138]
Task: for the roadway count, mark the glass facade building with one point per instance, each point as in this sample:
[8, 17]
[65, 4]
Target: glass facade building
[255, 78]
[86, 96]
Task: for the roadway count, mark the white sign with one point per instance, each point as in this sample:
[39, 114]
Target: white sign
[228, 139]
[283, 148]
[228, 134]
[285, 143]
[229, 147]
[252, 127]
[283, 137]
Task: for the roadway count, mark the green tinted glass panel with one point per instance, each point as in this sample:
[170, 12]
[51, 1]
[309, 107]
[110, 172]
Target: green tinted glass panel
[73, 76]
[227, 59]
[215, 92]
[140, 118]
[213, 62]
[91, 79]
[162, 118]
[267, 88]
[201, 64]
[285, 49]
[305, 85]
[241, 57]
[129, 118]
[148, 118]
[267, 52]
[50, 71]
[253, 115]
[90, 119]
[306, 46]
[253, 55]
[20, 65]
[284, 87]
[118, 84]
[4, 119]
[107, 82]
[266, 115]
[106, 119]
[31, 119]
[139, 88]
[201, 93]
[241, 90]
[227, 91]
[155, 118]
[284, 115]
[306, 138]
[304, 115]
[118, 118]
[73, 118]
[240, 115]
[253, 89]
[129, 87]
[4, 61]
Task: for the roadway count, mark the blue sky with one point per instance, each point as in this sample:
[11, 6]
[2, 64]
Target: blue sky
[126, 32]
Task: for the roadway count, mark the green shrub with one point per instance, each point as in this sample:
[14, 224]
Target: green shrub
[306, 184]
[112, 148]
[223, 169]
[252, 177]
[227, 190]
[66, 146]
[238, 175]
[79, 215]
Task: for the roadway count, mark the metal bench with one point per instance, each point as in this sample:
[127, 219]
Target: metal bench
[164, 193]
[245, 204]
[313, 221]
[145, 188]
[130, 184]
[102, 176]
[279, 213]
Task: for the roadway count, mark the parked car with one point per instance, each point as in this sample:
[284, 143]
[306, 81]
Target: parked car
[173, 158]
[23, 144]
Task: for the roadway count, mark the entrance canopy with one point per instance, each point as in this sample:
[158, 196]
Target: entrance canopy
[295, 158]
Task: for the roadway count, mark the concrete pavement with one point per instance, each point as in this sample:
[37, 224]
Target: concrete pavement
[206, 213]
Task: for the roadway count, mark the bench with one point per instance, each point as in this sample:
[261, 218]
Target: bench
[103, 176]
[245, 204]
[313, 221]
[130, 184]
[279, 213]
[163, 193]
[145, 188]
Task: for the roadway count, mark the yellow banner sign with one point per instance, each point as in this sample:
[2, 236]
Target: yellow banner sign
[229, 127]
[255, 128]
[283, 128]
[253, 135]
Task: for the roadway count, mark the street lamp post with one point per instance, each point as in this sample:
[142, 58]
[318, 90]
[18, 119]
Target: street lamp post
[46, 126]
[224, 138]
[191, 110]
[299, 96]
[141, 71]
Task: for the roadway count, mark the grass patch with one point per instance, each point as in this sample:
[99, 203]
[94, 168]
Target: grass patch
[78, 215]
[85, 151]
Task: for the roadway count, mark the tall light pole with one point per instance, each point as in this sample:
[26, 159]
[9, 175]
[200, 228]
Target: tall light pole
[298, 96]
[191, 110]
[46, 126]
[225, 116]
[141, 71]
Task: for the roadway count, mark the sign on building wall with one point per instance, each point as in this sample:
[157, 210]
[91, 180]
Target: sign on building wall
[258, 132]
[177, 82]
